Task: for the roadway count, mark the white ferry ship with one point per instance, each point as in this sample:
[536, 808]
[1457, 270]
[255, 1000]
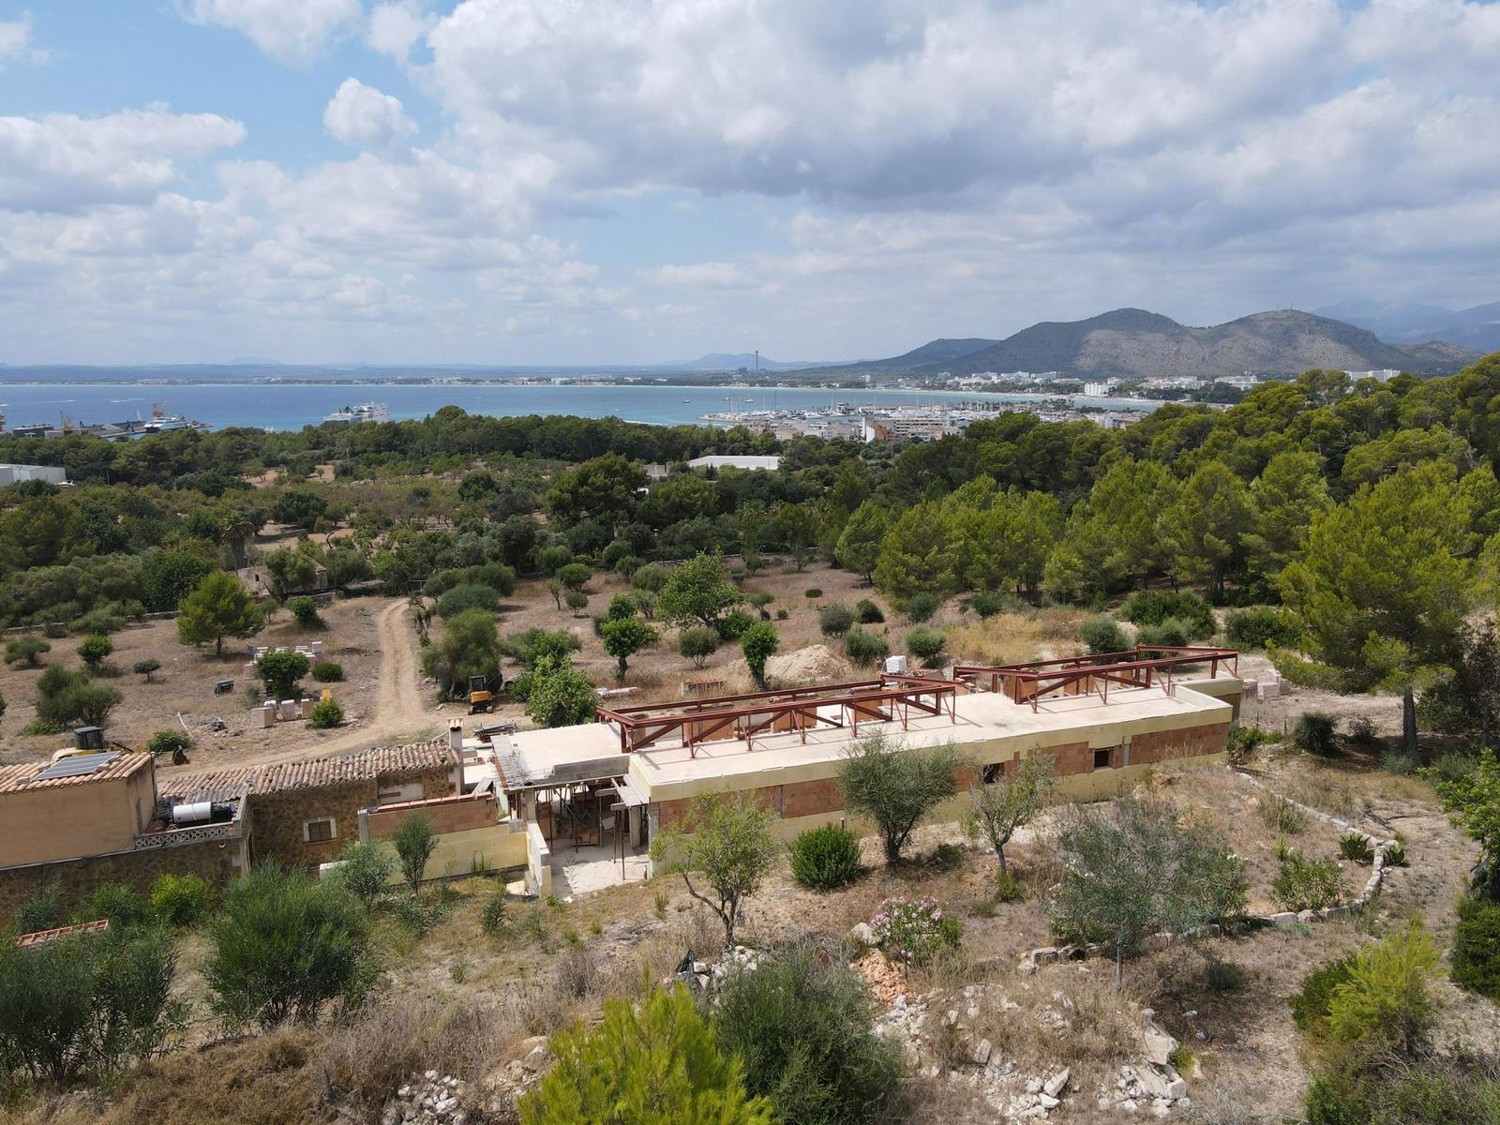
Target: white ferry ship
[367, 412]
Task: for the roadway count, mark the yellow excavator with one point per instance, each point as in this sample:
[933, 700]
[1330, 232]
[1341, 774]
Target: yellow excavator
[483, 691]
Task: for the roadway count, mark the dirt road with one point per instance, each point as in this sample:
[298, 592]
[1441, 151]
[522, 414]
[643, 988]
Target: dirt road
[401, 714]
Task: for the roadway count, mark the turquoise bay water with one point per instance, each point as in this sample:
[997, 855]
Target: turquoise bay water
[291, 406]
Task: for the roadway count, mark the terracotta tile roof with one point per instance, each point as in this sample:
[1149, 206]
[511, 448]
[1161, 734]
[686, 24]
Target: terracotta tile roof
[366, 765]
[22, 778]
[218, 785]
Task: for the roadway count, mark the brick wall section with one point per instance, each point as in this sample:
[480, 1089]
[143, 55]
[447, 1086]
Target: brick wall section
[1167, 745]
[79, 877]
[811, 798]
[771, 796]
[453, 814]
[1072, 757]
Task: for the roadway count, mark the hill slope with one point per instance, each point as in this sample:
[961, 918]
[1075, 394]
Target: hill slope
[1136, 343]
[1478, 327]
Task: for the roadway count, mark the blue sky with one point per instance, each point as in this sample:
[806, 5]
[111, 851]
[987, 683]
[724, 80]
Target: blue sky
[597, 181]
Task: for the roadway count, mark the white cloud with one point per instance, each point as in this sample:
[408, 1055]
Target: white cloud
[395, 28]
[62, 162]
[290, 31]
[362, 116]
[701, 275]
[16, 44]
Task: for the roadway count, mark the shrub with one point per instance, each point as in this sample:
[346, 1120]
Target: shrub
[470, 595]
[1259, 626]
[733, 626]
[365, 871]
[1246, 738]
[87, 1003]
[1152, 607]
[867, 612]
[1395, 854]
[1102, 633]
[782, 614]
[925, 644]
[328, 672]
[1399, 760]
[121, 903]
[812, 592]
[921, 607]
[826, 857]
[326, 713]
[1223, 976]
[1307, 884]
[1362, 730]
[1311, 1001]
[280, 671]
[1008, 887]
[1356, 845]
[168, 742]
[26, 651]
[414, 841]
[1316, 732]
[658, 1061]
[835, 620]
[41, 910]
[914, 930]
[1476, 947]
[93, 652]
[147, 668]
[284, 946]
[987, 605]
[492, 917]
[865, 648]
[1387, 1000]
[1284, 817]
[180, 900]
[1174, 632]
[102, 621]
[305, 611]
[698, 644]
[805, 1027]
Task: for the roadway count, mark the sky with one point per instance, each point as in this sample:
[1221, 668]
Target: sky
[634, 181]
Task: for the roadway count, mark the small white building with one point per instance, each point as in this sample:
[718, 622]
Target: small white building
[15, 474]
[729, 461]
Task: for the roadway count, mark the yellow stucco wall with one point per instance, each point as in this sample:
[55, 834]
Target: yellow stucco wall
[71, 821]
[459, 853]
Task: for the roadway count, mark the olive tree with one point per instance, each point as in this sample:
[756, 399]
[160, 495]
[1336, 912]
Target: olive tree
[726, 839]
[896, 786]
[1134, 868]
[1000, 807]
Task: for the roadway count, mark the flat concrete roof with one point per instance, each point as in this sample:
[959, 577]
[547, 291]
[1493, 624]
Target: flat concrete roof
[564, 755]
[981, 717]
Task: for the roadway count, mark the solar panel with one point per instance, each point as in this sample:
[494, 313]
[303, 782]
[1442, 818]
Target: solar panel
[77, 766]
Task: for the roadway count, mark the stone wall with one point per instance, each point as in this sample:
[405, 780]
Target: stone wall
[214, 861]
[279, 818]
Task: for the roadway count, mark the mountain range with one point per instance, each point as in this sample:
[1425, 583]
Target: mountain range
[1477, 328]
[1134, 343]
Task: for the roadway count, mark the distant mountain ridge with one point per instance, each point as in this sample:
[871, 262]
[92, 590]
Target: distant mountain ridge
[1135, 343]
[733, 361]
[1477, 327]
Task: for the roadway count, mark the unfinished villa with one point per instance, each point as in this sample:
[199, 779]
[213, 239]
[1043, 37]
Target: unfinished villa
[608, 786]
[541, 802]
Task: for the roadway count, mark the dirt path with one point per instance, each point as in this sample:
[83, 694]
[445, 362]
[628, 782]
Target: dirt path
[400, 715]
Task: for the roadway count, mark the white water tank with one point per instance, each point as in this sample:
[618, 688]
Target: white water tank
[895, 665]
[199, 812]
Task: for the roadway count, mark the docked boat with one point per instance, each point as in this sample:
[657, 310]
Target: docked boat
[366, 412]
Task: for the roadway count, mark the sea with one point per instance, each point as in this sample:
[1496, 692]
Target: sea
[290, 406]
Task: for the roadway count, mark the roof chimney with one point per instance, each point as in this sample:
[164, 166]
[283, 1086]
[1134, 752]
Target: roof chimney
[456, 734]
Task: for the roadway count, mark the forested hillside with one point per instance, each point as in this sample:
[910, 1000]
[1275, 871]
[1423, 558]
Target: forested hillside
[1257, 503]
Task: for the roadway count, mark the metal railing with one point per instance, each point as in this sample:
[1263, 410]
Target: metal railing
[1094, 674]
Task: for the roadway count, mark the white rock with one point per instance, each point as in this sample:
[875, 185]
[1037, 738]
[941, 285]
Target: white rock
[537, 1059]
[1057, 1083]
[1159, 1045]
[862, 933]
[1047, 1102]
[1033, 1085]
[982, 1052]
